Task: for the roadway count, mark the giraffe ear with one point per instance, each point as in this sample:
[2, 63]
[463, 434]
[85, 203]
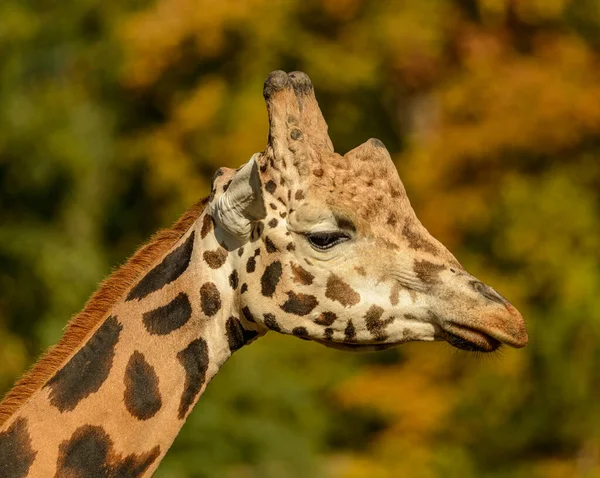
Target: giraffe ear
[242, 204]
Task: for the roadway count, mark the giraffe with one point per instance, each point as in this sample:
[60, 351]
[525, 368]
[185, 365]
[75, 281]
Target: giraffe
[300, 240]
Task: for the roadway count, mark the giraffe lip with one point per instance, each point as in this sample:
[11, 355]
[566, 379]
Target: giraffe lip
[469, 339]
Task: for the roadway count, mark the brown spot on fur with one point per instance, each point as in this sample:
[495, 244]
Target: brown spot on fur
[271, 322]
[108, 294]
[299, 304]
[271, 186]
[300, 332]
[408, 335]
[338, 290]
[291, 247]
[350, 332]
[215, 259]
[207, 225]
[87, 370]
[273, 223]
[194, 360]
[374, 324]
[167, 318]
[271, 248]
[328, 334]
[428, 272]
[142, 396]
[251, 265]
[299, 195]
[361, 270]
[301, 275]
[168, 270]
[210, 299]
[234, 280]
[392, 219]
[326, 318]
[16, 454]
[89, 452]
[270, 279]
[418, 241]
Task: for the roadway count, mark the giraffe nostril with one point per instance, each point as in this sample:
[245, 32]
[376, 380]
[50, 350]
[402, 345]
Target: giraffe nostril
[488, 292]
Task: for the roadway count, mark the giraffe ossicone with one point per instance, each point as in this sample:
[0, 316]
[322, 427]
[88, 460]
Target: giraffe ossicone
[300, 240]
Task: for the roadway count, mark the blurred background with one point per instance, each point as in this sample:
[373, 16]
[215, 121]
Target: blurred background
[115, 114]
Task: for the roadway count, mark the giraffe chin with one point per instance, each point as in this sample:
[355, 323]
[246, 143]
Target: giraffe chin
[356, 347]
[471, 340]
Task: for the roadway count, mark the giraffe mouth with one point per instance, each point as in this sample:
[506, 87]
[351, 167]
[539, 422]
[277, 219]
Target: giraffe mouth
[471, 340]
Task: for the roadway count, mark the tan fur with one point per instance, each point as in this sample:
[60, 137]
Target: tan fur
[108, 294]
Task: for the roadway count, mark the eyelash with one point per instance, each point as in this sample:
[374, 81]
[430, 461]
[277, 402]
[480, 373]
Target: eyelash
[323, 241]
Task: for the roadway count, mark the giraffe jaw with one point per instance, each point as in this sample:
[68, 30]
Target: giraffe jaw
[357, 347]
[471, 340]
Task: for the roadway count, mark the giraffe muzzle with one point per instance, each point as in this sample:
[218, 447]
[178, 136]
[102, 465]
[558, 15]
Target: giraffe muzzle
[488, 332]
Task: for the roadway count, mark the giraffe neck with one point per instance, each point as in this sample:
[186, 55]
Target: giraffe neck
[120, 399]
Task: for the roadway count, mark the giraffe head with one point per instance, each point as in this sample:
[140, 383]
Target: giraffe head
[330, 249]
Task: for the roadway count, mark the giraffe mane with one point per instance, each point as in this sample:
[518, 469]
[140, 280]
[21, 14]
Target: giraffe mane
[110, 291]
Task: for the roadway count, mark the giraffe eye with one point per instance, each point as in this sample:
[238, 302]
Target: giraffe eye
[326, 240]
